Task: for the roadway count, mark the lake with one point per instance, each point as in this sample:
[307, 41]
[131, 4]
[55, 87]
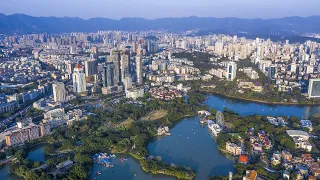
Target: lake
[250, 108]
[192, 145]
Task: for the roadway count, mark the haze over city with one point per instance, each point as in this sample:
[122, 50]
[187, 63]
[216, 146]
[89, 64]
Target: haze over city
[117, 9]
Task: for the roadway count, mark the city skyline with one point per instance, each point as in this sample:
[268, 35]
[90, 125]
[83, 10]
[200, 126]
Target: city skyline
[152, 10]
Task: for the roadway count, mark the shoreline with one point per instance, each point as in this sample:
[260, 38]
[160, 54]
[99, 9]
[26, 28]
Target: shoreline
[257, 101]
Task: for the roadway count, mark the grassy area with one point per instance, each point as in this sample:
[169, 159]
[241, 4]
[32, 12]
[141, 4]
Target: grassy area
[127, 123]
[155, 115]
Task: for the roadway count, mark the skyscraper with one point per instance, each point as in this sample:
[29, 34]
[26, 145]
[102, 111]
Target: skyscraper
[139, 70]
[232, 71]
[115, 58]
[79, 79]
[59, 92]
[124, 66]
[108, 75]
[91, 66]
[272, 72]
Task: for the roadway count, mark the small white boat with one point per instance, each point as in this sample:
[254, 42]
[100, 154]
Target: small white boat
[112, 155]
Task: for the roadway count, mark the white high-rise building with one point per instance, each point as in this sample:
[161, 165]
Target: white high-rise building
[232, 71]
[139, 70]
[79, 79]
[59, 92]
[184, 44]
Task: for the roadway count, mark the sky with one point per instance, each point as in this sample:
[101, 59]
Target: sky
[151, 9]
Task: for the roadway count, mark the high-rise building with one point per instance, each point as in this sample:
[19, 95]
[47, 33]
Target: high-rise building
[70, 67]
[272, 72]
[128, 82]
[232, 71]
[36, 54]
[314, 88]
[91, 66]
[115, 59]
[128, 54]
[79, 79]
[59, 92]
[139, 70]
[108, 75]
[124, 66]
[94, 51]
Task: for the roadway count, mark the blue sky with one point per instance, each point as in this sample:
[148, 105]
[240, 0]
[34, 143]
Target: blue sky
[151, 9]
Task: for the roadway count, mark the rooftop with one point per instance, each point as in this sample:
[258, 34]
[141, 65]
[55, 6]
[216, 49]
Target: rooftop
[297, 133]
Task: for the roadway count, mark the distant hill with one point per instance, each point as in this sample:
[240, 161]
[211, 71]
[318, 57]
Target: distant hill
[289, 26]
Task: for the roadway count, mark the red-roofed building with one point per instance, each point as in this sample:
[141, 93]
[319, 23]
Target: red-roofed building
[306, 158]
[243, 159]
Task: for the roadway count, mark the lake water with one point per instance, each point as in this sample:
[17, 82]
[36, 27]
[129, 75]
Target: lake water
[250, 108]
[190, 144]
[36, 154]
[124, 170]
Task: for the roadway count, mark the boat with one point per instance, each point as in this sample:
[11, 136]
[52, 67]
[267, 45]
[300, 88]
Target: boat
[123, 159]
[215, 128]
[112, 155]
[98, 173]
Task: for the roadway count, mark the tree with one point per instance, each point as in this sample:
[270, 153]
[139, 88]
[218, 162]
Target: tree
[83, 159]
[306, 129]
[49, 149]
[213, 111]
[243, 129]
[2, 155]
[78, 172]
[31, 175]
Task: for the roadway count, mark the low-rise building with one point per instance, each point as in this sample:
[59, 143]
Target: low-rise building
[254, 86]
[134, 93]
[24, 133]
[233, 148]
[250, 175]
[286, 156]
[300, 139]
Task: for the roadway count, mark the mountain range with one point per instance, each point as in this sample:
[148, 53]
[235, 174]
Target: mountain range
[288, 26]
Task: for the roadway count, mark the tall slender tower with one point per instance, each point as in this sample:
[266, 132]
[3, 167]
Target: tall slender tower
[79, 79]
[108, 75]
[124, 66]
[115, 58]
[139, 69]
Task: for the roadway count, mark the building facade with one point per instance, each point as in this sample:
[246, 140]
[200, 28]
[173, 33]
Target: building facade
[79, 79]
[59, 92]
